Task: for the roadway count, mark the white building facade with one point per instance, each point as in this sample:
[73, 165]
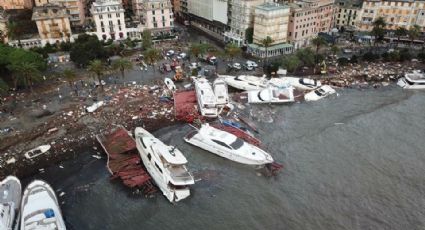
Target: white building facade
[155, 15]
[108, 16]
[209, 16]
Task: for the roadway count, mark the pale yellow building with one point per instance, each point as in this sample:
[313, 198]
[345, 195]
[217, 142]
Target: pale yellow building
[347, 13]
[271, 20]
[396, 14]
[16, 4]
[75, 9]
[52, 23]
[3, 25]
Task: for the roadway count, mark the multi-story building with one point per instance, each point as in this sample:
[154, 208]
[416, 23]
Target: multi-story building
[307, 19]
[401, 13]
[16, 4]
[52, 23]
[346, 13]
[209, 16]
[75, 9]
[108, 16]
[155, 15]
[3, 25]
[270, 20]
[240, 18]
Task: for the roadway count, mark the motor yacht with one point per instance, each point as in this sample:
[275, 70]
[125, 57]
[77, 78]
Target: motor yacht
[221, 92]
[415, 80]
[271, 94]
[207, 101]
[10, 199]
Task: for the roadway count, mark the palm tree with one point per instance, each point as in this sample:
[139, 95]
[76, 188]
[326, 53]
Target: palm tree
[14, 32]
[97, 68]
[152, 56]
[400, 32]
[28, 72]
[378, 30]
[70, 77]
[414, 33]
[266, 44]
[232, 50]
[122, 65]
[318, 42]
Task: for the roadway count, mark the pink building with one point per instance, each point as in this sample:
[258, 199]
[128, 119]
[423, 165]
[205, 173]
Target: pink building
[307, 19]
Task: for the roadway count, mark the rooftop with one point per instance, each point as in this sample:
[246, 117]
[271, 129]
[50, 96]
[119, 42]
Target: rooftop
[271, 6]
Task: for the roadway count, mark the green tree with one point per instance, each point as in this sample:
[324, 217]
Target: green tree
[70, 76]
[199, 49]
[146, 39]
[266, 43]
[97, 68]
[152, 55]
[249, 35]
[400, 32]
[414, 32]
[28, 72]
[378, 30]
[232, 50]
[306, 56]
[14, 31]
[291, 63]
[122, 65]
[87, 48]
[334, 49]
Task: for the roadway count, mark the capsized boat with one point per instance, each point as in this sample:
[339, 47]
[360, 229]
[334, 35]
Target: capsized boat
[40, 208]
[228, 146]
[245, 82]
[221, 92]
[35, 152]
[271, 95]
[207, 101]
[10, 199]
[166, 165]
[415, 80]
[299, 83]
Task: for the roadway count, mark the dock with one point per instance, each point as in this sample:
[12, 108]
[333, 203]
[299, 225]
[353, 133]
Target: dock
[124, 161]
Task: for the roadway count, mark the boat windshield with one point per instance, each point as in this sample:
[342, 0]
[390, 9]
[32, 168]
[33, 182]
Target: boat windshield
[320, 92]
[237, 143]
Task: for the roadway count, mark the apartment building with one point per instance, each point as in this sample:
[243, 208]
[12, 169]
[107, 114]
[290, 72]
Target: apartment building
[402, 13]
[75, 9]
[108, 16]
[16, 4]
[240, 18]
[52, 23]
[346, 13]
[155, 15]
[209, 16]
[271, 20]
[3, 25]
[307, 19]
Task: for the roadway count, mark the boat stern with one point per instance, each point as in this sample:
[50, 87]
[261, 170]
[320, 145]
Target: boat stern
[180, 194]
[402, 82]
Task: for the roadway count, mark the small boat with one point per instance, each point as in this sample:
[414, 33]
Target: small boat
[228, 146]
[10, 199]
[300, 83]
[319, 93]
[245, 82]
[40, 208]
[207, 101]
[35, 152]
[249, 123]
[166, 165]
[271, 95]
[233, 124]
[221, 92]
[415, 80]
[170, 84]
[94, 107]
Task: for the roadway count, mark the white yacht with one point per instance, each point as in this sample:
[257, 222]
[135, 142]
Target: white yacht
[166, 165]
[319, 93]
[221, 92]
[40, 208]
[35, 152]
[207, 102]
[415, 80]
[301, 83]
[245, 82]
[10, 199]
[228, 146]
[271, 95]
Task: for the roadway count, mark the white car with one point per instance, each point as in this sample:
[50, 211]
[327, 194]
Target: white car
[170, 53]
[237, 66]
[182, 56]
[319, 93]
[193, 65]
[251, 63]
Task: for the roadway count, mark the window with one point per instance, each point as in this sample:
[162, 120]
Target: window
[153, 12]
[119, 22]
[103, 30]
[153, 19]
[100, 16]
[159, 169]
[163, 24]
[149, 156]
[119, 27]
[163, 18]
[237, 143]
[162, 11]
[155, 25]
[117, 15]
[101, 23]
[110, 23]
[109, 16]
[221, 143]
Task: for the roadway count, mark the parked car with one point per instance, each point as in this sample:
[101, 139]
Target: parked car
[237, 66]
[182, 56]
[248, 67]
[252, 64]
[170, 53]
